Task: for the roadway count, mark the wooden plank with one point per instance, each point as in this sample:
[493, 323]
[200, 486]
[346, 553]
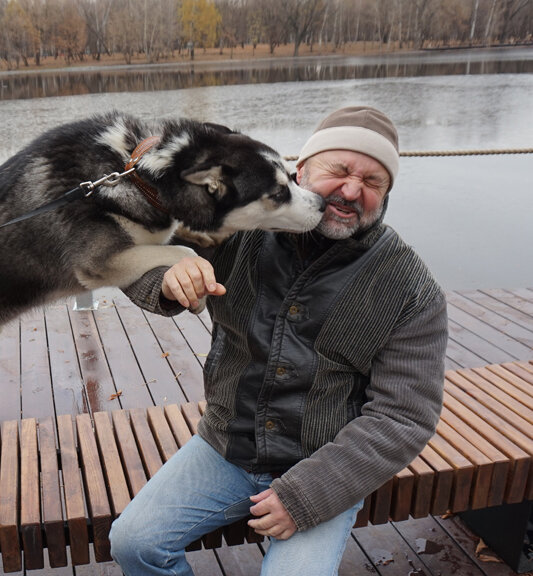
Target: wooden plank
[402, 496]
[127, 376]
[363, 516]
[36, 387]
[380, 509]
[119, 496]
[95, 489]
[495, 399]
[192, 416]
[51, 495]
[186, 368]
[30, 502]
[483, 466]
[152, 360]
[462, 475]
[97, 379]
[240, 560]
[516, 374]
[423, 489]
[519, 459]
[499, 462]
[494, 327]
[145, 441]
[509, 345]
[515, 315]
[443, 483]
[509, 387]
[162, 433]
[67, 383]
[129, 453]
[10, 372]
[9, 497]
[478, 346]
[74, 503]
[177, 424]
[197, 336]
[462, 356]
[436, 548]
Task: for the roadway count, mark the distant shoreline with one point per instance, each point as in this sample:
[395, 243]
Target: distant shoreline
[212, 59]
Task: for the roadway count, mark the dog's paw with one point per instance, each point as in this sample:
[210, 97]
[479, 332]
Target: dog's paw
[200, 308]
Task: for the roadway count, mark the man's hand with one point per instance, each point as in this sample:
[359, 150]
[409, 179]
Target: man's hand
[189, 280]
[275, 521]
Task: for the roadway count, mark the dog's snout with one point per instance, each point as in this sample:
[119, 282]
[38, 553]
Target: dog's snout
[323, 204]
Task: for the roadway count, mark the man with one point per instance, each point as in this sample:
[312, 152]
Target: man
[324, 377]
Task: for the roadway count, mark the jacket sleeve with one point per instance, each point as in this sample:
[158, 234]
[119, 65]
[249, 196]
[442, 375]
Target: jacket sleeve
[400, 416]
[146, 293]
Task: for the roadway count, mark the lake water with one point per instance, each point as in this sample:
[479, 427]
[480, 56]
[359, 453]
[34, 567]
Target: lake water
[470, 218]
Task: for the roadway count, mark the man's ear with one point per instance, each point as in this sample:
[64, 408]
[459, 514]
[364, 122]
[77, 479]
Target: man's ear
[299, 171]
[204, 175]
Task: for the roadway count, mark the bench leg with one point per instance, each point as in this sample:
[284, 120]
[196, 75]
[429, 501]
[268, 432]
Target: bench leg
[508, 530]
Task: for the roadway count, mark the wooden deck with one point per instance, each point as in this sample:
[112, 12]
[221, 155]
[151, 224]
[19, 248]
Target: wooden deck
[68, 362]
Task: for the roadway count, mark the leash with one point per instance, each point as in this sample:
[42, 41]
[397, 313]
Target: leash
[85, 189]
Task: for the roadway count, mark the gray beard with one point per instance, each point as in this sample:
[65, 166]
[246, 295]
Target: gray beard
[336, 229]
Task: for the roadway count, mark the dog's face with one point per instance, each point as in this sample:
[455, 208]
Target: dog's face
[232, 183]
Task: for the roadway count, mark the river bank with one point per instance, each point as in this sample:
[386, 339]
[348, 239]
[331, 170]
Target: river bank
[239, 57]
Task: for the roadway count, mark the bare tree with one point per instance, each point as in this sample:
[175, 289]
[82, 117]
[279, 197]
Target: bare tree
[302, 18]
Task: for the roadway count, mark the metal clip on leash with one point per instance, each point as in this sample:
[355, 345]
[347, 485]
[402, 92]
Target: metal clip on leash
[107, 180]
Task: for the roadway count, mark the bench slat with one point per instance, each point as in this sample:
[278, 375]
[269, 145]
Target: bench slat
[517, 373]
[504, 425]
[162, 433]
[177, 424]
[442, 487]
[403, 487]
[52, 509]
[95, 490]
[9, 497]
[117, 486]
[424, 481]
[462, 476]
[518, 458]
[30, 502]
[74, 504]
[485, 396]
[133, 466]
[508, 387]
[147, 446]
[483, 466]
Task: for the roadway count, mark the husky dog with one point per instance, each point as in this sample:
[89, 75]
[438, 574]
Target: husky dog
[192, 176]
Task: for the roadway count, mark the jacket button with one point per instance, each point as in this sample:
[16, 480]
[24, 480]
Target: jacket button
[280, 370]
[269, 425]
[293, 310]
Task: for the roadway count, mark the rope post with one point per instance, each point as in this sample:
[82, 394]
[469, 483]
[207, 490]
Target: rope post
[85, 301]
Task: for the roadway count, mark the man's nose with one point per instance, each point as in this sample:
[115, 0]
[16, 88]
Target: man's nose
[352, 188]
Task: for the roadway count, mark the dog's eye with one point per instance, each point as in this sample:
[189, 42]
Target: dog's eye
[280, 195]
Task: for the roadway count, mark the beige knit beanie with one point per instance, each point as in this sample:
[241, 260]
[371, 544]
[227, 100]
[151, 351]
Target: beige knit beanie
[360, 129]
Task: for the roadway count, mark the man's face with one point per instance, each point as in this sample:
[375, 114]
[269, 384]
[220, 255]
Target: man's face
[354, 186]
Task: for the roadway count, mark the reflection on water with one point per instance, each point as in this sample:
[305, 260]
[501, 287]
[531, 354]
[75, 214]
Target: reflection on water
[180, 76]
[468, 217]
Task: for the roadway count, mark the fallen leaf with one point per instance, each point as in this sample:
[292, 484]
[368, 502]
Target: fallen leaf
[115, 396]
[165, 354]
[202, 354]
[485, 554]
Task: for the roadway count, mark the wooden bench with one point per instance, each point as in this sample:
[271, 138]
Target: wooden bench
[62, 483]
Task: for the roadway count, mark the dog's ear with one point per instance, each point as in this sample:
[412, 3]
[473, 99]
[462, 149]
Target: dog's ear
[219, 128]
[205, 175]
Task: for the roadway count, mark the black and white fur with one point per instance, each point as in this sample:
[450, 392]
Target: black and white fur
[209, 179]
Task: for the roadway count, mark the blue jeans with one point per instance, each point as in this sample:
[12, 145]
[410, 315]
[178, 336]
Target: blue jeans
[197, 491]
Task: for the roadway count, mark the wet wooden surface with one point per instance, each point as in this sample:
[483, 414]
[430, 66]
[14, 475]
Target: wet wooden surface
[62, 361]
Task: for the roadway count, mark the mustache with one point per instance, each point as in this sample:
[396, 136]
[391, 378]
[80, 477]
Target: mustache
[340, 201]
